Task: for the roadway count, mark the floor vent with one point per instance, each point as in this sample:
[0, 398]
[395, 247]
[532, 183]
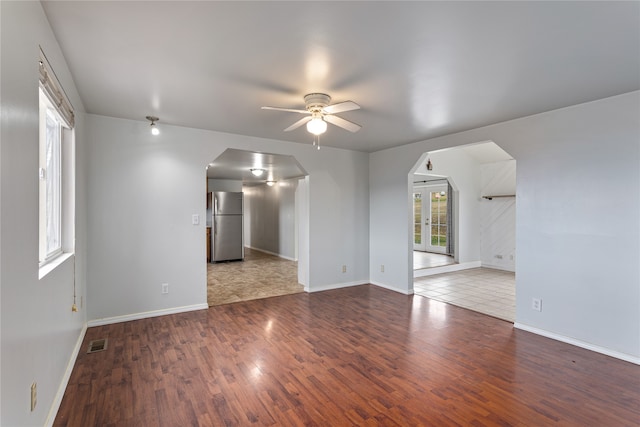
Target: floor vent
[97, 345]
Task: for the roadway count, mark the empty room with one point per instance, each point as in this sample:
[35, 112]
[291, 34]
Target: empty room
[151, 148]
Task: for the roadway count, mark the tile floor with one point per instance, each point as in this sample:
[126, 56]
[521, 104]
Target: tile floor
[260, 275]
[484, 290]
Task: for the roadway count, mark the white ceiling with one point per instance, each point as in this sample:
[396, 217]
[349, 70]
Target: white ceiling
[237, 164]
[418, 69]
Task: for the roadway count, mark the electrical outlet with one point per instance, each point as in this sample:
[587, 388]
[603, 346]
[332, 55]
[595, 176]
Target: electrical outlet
[165, 288]
[536, 304]
[34, 396]
[382, 268]
[344, 268]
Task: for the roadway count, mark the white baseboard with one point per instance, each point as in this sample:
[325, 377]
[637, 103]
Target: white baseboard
[498, 267]
[57, 400]
[423, 272]
[334, 286]
[578, 343]
[146, 314]
[271, 253]
[393, 288]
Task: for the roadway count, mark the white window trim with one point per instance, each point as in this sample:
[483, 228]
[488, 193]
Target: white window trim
[53, 98]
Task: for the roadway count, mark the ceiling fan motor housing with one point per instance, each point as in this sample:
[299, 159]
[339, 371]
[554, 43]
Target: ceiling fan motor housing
[315, 102]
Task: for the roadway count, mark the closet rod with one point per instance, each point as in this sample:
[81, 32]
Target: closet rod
[433, 180]
[502, 195]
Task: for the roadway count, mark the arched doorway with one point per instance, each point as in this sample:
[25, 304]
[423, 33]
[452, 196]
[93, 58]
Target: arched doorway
[483, 225]
[273, 192]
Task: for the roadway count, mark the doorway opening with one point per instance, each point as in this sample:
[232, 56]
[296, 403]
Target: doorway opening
[479, 226]
[432, 224]
[272, 232]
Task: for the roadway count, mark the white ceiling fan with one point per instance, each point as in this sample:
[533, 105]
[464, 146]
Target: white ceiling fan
[319, 113]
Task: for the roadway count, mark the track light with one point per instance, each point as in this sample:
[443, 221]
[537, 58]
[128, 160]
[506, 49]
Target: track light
[257, 172]
[154, 128]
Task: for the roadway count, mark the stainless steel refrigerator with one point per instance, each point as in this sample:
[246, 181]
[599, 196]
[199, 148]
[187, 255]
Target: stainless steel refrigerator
[227, 233]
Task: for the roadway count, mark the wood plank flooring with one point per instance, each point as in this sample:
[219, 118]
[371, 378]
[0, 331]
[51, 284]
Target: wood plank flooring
[361, 356]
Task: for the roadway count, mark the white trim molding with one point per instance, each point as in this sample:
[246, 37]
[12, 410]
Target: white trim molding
[582, 344]
[57, 400]
[393, 288]
[334, 286]
[423, 272]
[271, 253]
[146, 314]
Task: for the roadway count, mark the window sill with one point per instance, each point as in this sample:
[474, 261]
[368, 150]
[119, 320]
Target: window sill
[53, 264]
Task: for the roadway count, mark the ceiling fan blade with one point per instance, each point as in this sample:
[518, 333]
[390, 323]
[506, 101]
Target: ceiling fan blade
[298, 123]
[290, 110]
[340, 107]
[344, 124]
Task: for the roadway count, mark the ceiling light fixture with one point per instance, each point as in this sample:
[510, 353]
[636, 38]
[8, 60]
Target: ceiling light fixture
[317, 125]
[271, 183]
[154, 128]
[257, 172]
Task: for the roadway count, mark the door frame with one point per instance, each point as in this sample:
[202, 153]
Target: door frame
[426, 217]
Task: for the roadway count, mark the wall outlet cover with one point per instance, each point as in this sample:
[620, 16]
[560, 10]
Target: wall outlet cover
[536, 304]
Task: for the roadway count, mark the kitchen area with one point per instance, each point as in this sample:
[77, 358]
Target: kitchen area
[251, 226]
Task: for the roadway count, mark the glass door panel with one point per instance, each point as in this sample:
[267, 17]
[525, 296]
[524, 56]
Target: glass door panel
[437, 239]
[418, 215]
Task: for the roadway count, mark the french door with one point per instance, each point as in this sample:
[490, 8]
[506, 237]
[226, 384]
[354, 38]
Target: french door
[430, 219]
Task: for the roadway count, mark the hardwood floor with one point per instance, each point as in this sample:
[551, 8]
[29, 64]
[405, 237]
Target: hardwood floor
[356, 356]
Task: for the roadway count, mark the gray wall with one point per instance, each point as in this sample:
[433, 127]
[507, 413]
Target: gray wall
[585, 272]
[39, 332]
[270, 218]
[144, 190]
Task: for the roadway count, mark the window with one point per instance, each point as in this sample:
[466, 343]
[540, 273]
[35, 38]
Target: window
[50, 181]
[56, 169]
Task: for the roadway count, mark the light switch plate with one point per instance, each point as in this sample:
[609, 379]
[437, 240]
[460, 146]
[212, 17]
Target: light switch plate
[195, 219]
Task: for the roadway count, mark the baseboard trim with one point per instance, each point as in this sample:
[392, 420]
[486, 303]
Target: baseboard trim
[146, 314]
[334, 286]
[498, 267]
[57, 400]
[423, 272]
[393, 288]
[582, 344]
[272, 253]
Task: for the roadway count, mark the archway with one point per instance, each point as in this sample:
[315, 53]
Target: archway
[273, 205]
[483, 176]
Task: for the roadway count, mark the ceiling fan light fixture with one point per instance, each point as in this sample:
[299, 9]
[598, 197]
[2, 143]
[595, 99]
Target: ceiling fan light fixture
[257, 171]
[317, 126]
[154, 129]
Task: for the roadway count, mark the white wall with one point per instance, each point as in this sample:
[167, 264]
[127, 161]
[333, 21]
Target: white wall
[498, 216]
[463, 172]
[270, 218]
[224, 185]
[144, 189]
[587, 275]
[38, 330]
